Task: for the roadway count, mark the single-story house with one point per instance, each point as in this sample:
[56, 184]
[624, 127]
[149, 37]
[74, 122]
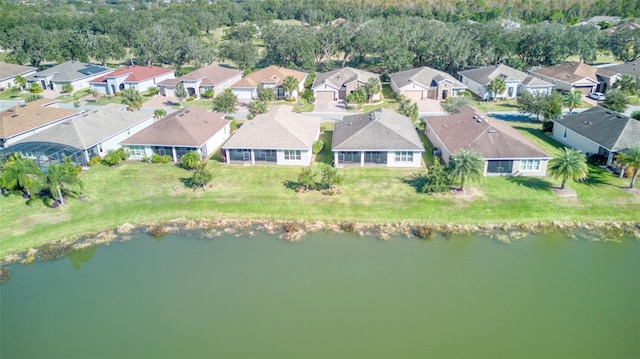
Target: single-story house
[597, 20]
[93, 133]
[629, 68]
[189, 129]
[270, 77]
[505, 150]
[577, 76]
[337, 84]
[515, 81]
[277, 137]
[77, 74]
[8, 73]
[21, 121]
[139, 78]
[378, 138]
[213, 77]
[425, 83]
[597, 131]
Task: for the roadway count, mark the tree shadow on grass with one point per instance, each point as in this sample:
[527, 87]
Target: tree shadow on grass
[416, 180]
[531, 182]
[597, 176]
[292, 185]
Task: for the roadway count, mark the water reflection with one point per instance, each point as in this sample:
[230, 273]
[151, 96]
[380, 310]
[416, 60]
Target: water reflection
[81, 256]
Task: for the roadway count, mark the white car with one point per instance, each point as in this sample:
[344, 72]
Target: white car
[598, 96]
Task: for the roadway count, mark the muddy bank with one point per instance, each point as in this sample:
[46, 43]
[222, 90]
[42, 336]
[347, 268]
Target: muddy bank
[296, 230]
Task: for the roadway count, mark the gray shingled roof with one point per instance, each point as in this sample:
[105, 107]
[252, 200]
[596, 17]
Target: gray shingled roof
[381, 129]
[484, 75]
[90, 128]
[604, 127]
[424, 76]
[10, 70]
[492, 138]
[630, 68]
[276, 129]
[340, 77]
[189, 127]
[71, 71]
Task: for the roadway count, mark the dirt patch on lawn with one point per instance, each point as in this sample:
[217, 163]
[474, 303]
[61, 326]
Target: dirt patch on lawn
[634, 191]
[564, 192]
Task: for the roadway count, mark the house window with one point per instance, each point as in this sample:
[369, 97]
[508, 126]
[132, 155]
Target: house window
[564, 134]
[292, 155]
[136, 150]
[530, 165]
[404, 156]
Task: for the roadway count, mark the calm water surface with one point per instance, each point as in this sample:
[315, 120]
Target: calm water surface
[328, 296]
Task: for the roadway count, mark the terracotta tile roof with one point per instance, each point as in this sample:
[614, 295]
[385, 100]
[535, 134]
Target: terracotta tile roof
[212, 74]
[277, 129]
[10, 70]
[271, 74]
[492, 138]
[569, 72]
[22, 118]
[135, 73]
[381, 129]
[189, 127]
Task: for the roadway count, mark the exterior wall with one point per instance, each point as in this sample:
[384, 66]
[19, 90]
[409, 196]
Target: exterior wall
[217, 140]
[143, 86]
[475, 87]
[537, 90]
[219, 88]
[540, 173]
[9, 82]
[417, 160]
[574, 140]
[147, 153]
[113, 142]
[167, 91]
[435, 141]
[102, 88]
[352, 87]
[305, 158]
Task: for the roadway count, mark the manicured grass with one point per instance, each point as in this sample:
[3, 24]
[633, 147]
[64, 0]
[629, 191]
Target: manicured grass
[495, 106]
[325, 156]
[141, 193]
[388, 100]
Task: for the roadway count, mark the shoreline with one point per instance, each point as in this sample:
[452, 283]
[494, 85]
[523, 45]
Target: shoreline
[294, 231]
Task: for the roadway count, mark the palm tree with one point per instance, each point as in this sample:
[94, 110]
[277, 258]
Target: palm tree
[20, 173]
[496, 87]
[372, 87]
[572, 100]
[569, 164]
[159, 113]
[191, 160]
[21, 81]
[466, 166]
[631, 158]
[132, 98]
[289, 84]
[59, 176]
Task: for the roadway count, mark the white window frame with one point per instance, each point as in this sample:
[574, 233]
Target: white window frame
[137, 150]
[529, 165]
[293, 155]
[404, 156]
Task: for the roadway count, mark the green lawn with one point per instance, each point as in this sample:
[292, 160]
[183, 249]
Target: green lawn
[388, 100]
[13, 95]
[141, 193]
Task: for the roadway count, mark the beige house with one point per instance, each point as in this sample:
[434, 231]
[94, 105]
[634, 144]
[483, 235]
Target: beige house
[425, 83]
[8, 73]
[269, 77]
[214, 77]
[337, 84]
[577, 76]
[505, 150]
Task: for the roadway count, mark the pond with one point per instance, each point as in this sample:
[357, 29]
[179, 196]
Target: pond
[330, 295]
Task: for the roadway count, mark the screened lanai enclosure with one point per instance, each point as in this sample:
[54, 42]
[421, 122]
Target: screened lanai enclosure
[46, 154]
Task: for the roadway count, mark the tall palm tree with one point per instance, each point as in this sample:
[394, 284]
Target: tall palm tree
[631, 158]
[466, 166]
[20, 173]
[59, 176]
[20, 81]
[572, 100]
[568, 164]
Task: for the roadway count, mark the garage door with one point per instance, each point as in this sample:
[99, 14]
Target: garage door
[584, 90]
[413, 95]
[325, 95]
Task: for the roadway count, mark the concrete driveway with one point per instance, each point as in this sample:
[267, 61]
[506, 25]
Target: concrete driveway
[429, 107]
[330, 107]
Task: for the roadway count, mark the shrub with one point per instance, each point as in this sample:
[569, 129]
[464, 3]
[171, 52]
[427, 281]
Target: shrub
[115, 157]
[437, 180]
[201, 177]
[191, 160]
[307, 178]
[156, 158]
[636, 115]
[233, 125]
[547, 126]
[146, 159]
[597, 159]
[330, 177]
[35, 88]
[94, 160]
[152, 91]
[67, 88]
[190, 99]
[32, 97]
[317, 147]
[208, 93]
